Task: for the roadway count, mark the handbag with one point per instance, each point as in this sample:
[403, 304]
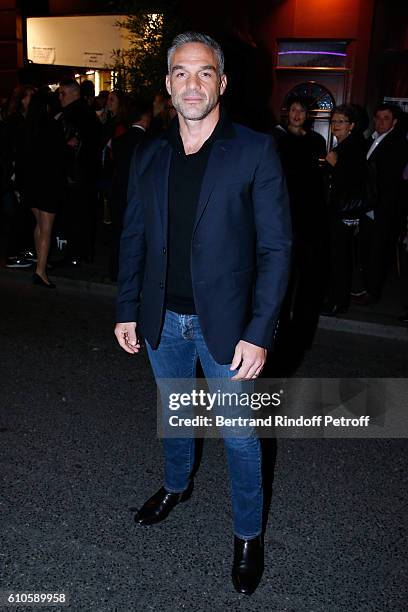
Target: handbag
[353, 206]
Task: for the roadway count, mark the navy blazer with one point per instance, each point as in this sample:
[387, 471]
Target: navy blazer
[240, 249]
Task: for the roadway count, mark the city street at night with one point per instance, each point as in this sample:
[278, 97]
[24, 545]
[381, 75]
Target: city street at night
[79, 454]
[230, 179]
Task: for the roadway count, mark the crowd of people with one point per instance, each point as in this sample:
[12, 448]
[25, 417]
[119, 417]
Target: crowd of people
[65, 157]
[349, 209]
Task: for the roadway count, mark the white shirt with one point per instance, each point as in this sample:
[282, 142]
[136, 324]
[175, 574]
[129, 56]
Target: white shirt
[377, 138]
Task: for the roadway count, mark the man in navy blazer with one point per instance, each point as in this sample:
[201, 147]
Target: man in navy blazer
[204, 264]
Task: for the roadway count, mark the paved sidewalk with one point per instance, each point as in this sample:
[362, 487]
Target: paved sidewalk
[379, 320]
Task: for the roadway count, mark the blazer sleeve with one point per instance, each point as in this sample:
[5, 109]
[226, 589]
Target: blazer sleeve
[273, 247]
[132, 250]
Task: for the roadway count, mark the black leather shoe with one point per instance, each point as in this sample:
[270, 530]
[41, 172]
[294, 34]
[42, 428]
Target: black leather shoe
[248, 564]
[159, 506]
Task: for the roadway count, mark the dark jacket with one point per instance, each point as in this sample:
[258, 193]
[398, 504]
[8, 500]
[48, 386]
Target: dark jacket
[82, 162]
[240, 249]
[122, 151]
[388, 161]
[349, 182]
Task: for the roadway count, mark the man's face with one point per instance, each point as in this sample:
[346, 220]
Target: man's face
[296, 115]
[194, 82]
[67, 95]
[384, 121]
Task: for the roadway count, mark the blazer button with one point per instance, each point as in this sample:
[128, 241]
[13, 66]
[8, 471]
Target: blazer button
[161, 285]
[164, 250]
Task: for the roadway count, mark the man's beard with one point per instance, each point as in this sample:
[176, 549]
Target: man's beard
[194, 113]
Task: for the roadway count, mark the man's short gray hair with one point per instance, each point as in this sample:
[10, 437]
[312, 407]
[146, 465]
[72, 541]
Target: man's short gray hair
[196, 37]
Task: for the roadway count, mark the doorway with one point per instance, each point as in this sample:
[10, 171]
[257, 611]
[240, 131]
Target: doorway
[324, 92]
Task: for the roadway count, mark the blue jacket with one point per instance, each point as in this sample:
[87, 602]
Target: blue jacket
[240, 250]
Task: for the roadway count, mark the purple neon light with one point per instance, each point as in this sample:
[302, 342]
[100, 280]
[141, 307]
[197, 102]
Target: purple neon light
[312, 53]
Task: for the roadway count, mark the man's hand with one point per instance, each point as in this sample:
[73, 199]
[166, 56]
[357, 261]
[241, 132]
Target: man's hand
[126, 336]
[252, 359]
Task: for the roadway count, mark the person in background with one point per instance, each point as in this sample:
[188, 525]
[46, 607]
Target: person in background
[171, 111]
[19, 249]
[159, 105]
[118, 109]
[40, 172]
[123, 147]
[88, 92]
[404, 233]
[387, 155]
[162, 115]
[5, 179]
[347, 176]
[101, 106]
[301, 151]
[117, 125]
[17, 105]
[159, 102]
[82, 159]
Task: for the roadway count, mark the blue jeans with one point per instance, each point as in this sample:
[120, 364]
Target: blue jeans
[181, 344]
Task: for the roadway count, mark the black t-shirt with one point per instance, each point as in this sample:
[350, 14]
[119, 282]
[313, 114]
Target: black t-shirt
[185, 181]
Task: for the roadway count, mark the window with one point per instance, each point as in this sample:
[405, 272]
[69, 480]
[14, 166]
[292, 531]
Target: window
[320, 98]
[312, 54]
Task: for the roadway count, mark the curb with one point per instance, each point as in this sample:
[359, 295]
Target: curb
[365, 328]
[73, 284]
[94, 287]
[350, 326]
[337, 324]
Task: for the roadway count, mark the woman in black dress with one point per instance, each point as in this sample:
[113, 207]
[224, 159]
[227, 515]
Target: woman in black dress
[41, 177]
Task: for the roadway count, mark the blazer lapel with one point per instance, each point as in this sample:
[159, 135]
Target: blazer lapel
[215, 169]
[161, 183]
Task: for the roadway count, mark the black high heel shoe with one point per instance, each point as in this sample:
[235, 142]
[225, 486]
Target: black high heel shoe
[37, 280]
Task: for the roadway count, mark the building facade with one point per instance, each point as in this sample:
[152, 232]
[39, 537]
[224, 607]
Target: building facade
[333, 51]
